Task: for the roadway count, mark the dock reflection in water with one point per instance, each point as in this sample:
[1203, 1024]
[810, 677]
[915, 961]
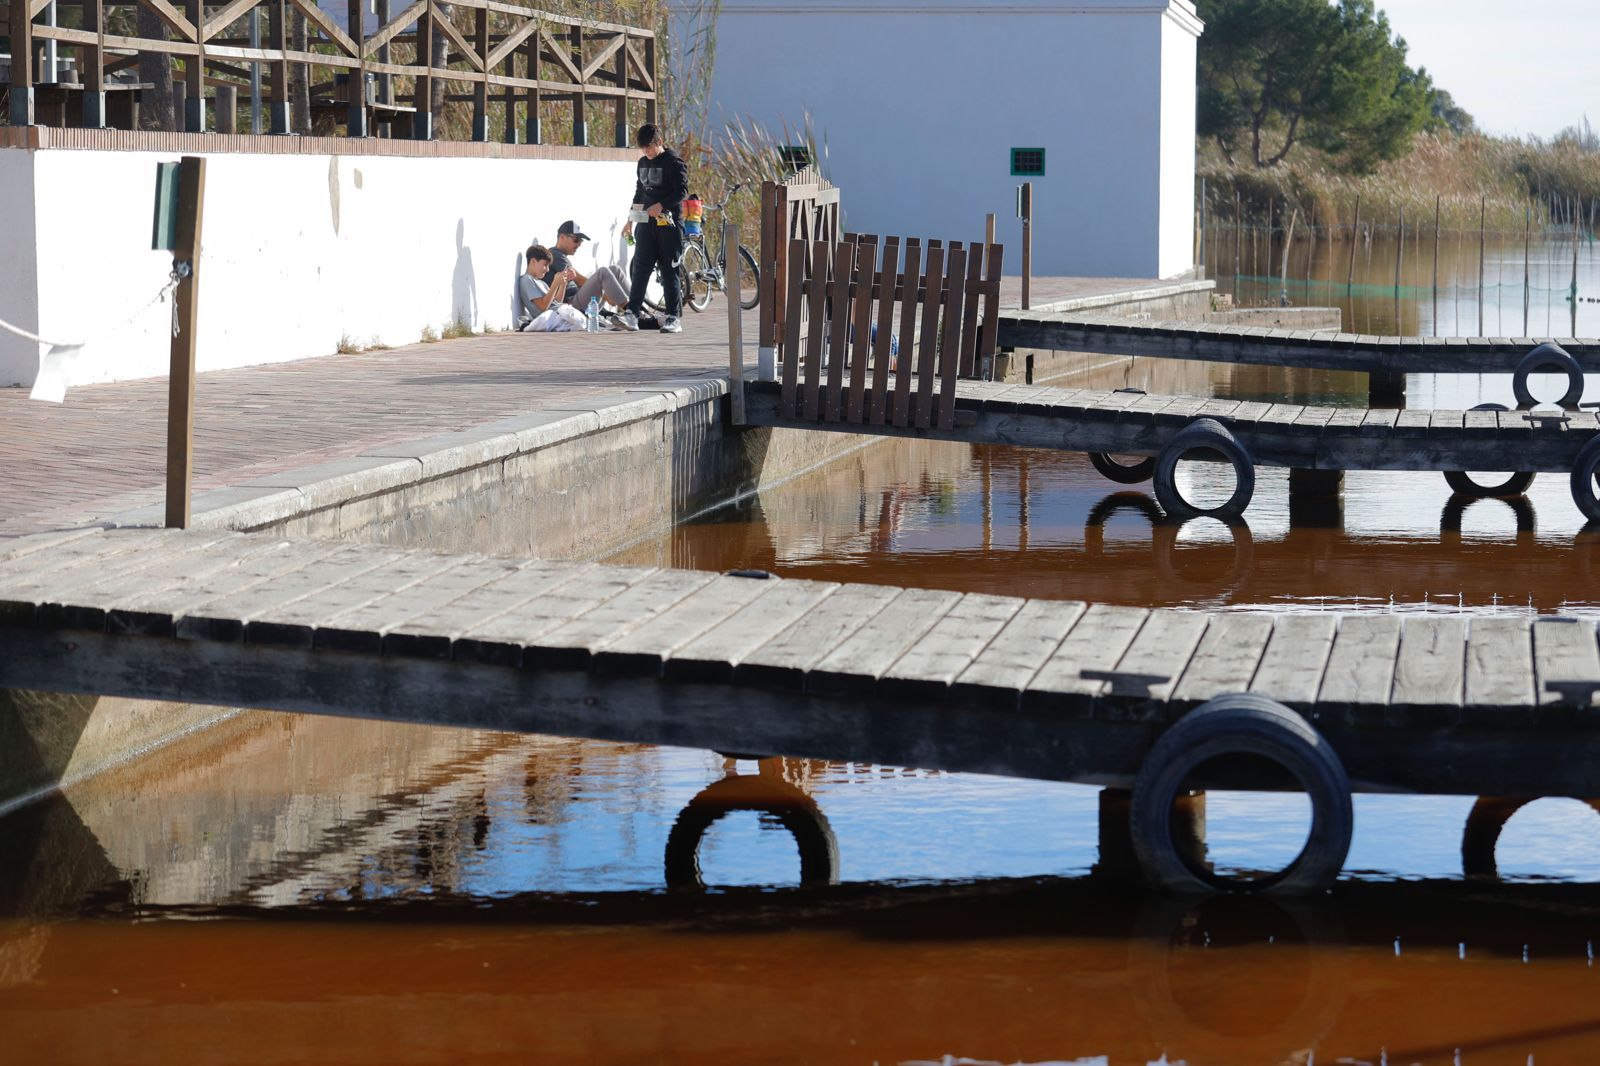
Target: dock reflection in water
[476, 897]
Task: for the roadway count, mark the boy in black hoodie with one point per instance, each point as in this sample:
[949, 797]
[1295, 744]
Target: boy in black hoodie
[663, 182]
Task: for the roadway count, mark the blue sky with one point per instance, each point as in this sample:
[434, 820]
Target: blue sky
[1519, 66]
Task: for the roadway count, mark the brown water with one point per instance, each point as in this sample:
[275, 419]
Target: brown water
[294, 889]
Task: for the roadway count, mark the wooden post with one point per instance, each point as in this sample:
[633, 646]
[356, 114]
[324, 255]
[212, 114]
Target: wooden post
[988, 232]
[623, 139]
[194, 71]
[1027, 243]
[730, 239]
[580, 112]
[278, 34]
[356, 27]
[180, 382]
[650, 65]
[1266, 286]
[422, 121]
[94, 65]
[227, 103]
[385, 81]
[1572, 293]
[1436, 266]
[1283, 277]
[1355, 238]
[1483, 202]
[1238, 238]
[22, 73]
[535, 128]
[768, 283]
[480, 91]
[1527, 244]
[1399, 250]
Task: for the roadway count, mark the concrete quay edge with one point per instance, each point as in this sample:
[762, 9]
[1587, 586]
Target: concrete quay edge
[293, 493]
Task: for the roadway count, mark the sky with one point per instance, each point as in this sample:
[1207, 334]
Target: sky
[1517, 66]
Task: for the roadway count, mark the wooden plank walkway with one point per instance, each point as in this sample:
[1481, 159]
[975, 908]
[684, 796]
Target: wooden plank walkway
[1031, 688]
[1074, 331]
[1291, 435]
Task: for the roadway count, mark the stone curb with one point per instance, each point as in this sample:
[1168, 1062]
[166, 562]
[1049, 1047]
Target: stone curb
[384, 468]
[1157, 292]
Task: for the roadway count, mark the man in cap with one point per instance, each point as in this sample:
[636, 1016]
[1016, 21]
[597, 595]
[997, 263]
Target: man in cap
[607, 282]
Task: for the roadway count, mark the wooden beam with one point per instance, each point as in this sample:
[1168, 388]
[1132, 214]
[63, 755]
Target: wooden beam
[646, 75]
[320, 19]
[394, 28]
[273, 55]
[457, 38]
[510, 44]
[558, 53]
[224, 18]
[600, 60]
[172, 17]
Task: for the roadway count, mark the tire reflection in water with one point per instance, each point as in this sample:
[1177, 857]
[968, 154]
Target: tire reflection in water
[766, 793]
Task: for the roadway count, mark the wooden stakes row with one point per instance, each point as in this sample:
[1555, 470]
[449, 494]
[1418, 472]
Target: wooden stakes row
[830, 322]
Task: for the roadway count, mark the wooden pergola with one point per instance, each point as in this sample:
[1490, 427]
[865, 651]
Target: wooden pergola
[511, 54]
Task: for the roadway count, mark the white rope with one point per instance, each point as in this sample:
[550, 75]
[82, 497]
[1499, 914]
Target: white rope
[51, 383]
[25, 335]
[160, 297]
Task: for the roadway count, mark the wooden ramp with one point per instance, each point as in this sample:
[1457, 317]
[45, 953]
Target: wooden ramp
[1029, 688]
[1310, 349]
[1291, 435]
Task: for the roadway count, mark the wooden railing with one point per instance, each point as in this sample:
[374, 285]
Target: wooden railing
[515, 55]
[847, 305]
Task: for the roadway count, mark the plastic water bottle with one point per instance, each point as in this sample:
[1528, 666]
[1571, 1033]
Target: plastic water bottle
[594, 314]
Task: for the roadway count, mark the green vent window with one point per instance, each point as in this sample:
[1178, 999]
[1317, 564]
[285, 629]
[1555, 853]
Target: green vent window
[1027, 162]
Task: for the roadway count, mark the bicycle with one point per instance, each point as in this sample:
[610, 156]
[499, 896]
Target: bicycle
[699, 273]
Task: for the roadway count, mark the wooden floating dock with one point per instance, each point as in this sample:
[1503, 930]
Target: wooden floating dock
[1258, 345]
[1028, 688]
[1276, 434]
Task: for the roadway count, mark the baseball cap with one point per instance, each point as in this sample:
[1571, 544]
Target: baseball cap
[570, 228]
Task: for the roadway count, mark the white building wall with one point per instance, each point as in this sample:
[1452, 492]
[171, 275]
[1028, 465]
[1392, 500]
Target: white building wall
[298, 251]
[1178, 103]
[920, 102]
[18, 279]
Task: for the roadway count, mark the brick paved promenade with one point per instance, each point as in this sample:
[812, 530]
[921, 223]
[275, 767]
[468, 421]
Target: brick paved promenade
[103, 450]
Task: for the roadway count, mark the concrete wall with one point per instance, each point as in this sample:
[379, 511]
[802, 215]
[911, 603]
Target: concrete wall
[300, 250]
[920, 102]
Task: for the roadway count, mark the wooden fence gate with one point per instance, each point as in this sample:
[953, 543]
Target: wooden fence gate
[803, 207]
[869, 330]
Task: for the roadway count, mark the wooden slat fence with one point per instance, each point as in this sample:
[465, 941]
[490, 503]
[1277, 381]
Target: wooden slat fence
[518, 54]
[804, 206]
[846, 304]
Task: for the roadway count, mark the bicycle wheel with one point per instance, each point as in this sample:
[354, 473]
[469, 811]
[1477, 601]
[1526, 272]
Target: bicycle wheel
[749, 279]
[695, 278]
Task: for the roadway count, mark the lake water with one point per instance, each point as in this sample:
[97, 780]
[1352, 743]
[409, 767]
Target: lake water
[302, 890]
[1524, 288]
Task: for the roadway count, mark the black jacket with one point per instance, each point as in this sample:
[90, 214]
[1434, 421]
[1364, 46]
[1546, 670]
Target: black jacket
[663, 180]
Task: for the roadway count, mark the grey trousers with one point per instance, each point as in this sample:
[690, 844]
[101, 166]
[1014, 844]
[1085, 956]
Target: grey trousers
[607, 283]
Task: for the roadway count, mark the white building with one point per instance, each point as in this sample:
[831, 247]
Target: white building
[921, 103]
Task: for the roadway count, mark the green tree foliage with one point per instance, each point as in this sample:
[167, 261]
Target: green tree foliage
[1277, 73]
[1446, 115]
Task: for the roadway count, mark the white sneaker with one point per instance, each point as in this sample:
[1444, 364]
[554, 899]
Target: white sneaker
[670, 324]
[615, 322]
[626, 321]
